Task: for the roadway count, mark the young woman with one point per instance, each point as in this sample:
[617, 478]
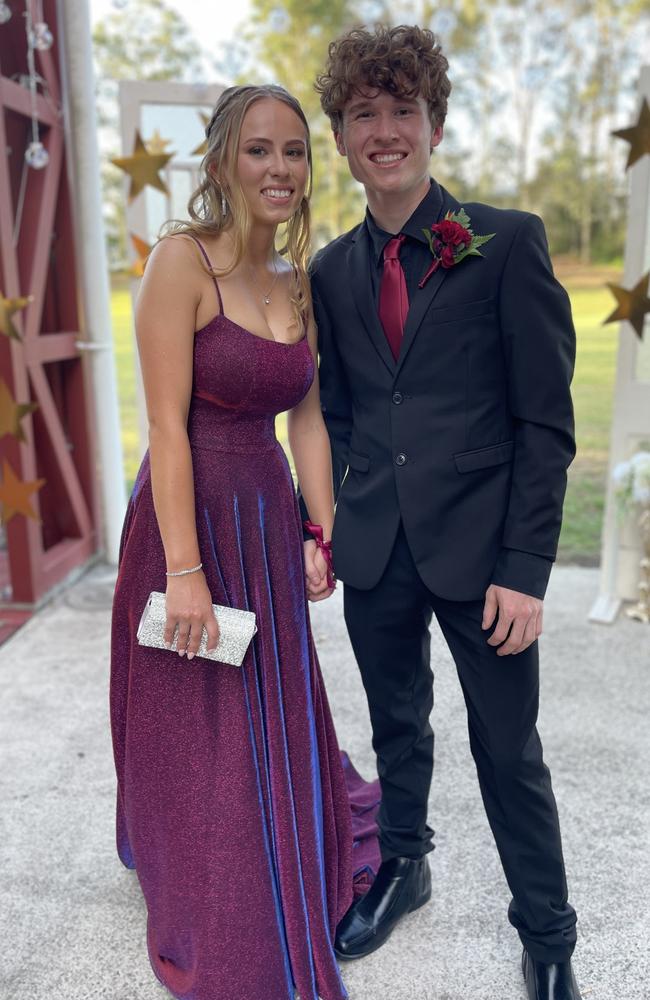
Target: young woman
[232, 801]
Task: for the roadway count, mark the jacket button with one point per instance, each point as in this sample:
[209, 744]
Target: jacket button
[398, 398]
[401, 459]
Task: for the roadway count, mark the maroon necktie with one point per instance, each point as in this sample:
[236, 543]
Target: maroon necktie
[393, 296]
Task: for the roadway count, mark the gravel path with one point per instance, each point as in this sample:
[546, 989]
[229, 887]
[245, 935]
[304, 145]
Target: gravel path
[72, 919]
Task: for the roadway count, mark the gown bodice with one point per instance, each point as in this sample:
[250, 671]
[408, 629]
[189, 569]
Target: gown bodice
[241, 381]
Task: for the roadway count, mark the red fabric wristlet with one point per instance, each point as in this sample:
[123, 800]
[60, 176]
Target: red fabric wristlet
[325, 547]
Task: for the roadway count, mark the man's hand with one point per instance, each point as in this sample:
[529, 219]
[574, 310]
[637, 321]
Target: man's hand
[316, 573]
[520, 619]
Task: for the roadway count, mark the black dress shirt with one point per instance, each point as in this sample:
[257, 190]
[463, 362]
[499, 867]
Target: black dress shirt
[415, 256]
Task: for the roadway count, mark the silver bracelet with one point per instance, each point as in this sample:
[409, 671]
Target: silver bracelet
[184, 572]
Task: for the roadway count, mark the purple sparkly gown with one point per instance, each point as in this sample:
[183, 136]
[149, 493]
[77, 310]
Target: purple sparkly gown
[234, 804]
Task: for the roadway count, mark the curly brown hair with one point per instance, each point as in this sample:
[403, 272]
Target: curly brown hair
[406, 61]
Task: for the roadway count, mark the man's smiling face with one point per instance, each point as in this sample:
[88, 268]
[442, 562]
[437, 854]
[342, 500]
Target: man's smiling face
[388, 141]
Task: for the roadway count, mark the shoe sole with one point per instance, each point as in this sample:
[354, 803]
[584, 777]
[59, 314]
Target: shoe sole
[374, 944]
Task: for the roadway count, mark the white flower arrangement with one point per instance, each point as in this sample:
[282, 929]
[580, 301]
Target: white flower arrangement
[632, 481]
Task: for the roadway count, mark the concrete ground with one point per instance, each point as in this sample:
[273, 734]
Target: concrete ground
[72, 919]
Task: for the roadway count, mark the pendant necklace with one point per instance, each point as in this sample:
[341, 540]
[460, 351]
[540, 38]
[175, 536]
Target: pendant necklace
[266, 297]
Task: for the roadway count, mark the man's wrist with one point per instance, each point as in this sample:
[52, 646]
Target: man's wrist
[525, 572]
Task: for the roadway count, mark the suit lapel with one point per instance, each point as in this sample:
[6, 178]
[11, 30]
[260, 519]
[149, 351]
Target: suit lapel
[358, 260]
[424, 296]
[359, 256]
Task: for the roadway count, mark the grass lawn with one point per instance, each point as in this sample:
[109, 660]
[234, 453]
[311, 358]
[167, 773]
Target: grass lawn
[123, 340]
[592, 391]
[593, 387]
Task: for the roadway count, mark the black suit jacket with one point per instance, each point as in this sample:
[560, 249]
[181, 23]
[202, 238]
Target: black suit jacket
[467, 438]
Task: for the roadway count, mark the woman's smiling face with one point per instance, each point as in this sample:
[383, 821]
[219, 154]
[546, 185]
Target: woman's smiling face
[272, 162]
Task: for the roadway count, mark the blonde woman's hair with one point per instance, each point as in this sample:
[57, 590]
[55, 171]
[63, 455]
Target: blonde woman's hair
[218, 203]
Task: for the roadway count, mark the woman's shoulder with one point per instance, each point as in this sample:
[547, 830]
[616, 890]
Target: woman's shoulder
[177, 259]
[175, 250]
[172, 272]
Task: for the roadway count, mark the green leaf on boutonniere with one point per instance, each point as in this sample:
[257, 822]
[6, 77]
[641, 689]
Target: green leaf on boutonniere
[478, 241]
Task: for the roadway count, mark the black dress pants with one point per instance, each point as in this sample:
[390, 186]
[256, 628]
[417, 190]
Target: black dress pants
[389, 631]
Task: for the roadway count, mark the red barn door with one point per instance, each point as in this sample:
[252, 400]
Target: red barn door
[43, 366]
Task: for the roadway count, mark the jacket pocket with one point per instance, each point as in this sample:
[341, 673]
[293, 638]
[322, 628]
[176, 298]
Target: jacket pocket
[461, 311]
[483, 458]
[360, 463]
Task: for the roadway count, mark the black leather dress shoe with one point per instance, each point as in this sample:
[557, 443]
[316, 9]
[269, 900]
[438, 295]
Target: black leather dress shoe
[549, 982]
[401, 886]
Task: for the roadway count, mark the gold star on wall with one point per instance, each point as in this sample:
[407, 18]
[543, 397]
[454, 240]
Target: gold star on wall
[202, 148]
[156, 144]
[11, 413]
[143, 168]
[15, 494]
[633, 304]
[143, 250]
[7, 308]
[637, 135]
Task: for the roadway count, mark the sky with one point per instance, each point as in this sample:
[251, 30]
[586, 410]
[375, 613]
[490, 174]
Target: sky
[212, 22]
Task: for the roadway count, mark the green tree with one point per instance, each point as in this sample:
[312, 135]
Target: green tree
[144, 40]
[580, 181]
[538, 87]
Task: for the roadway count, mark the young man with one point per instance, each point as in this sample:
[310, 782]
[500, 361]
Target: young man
[447, 402]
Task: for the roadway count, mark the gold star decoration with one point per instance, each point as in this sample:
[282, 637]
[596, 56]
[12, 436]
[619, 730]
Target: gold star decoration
[202, 148]
[633, 304]
[11, 413]
[143, 168]
[637, 135]
[7, 308]
[15, 494]
[143, 250]
[156, 144]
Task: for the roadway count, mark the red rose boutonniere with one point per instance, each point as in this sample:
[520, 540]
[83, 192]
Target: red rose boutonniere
[451, 240]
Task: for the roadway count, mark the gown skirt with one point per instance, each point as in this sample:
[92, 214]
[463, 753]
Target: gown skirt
[248, 829]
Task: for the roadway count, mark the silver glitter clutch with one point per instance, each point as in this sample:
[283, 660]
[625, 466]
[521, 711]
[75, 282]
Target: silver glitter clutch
[236, 629]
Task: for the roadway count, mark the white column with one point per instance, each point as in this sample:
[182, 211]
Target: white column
[92, 263]
[621, 551]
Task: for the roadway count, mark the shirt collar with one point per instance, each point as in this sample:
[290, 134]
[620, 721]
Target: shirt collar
[423, 217]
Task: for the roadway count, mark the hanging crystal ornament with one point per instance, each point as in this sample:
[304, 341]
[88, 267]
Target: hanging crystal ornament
[36, 155]
[42, 38]
[5, 13]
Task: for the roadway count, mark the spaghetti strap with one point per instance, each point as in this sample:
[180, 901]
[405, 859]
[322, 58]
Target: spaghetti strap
[207, 260]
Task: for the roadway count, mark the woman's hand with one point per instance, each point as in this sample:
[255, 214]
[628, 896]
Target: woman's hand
[189, 609]
[316, 573]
